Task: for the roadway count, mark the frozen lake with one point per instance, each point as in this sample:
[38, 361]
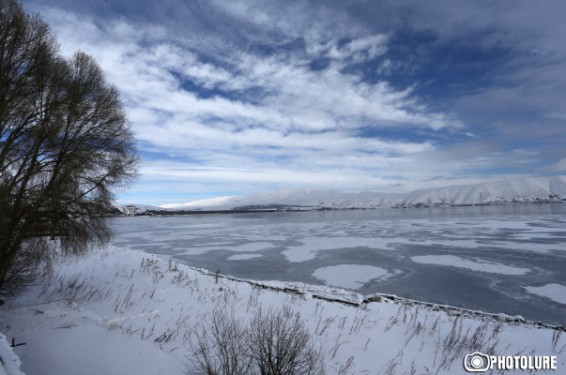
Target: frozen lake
[509, 259]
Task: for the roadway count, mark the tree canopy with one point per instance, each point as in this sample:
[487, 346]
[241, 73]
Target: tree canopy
[65, 146]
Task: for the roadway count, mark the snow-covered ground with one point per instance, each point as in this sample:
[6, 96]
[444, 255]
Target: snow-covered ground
[119, 311]
[531, 189]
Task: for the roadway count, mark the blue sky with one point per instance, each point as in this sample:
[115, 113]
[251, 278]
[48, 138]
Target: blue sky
[236, 97]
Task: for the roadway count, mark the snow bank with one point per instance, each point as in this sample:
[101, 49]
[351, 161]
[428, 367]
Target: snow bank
[532, 189]
[126, 312]
[9, 361]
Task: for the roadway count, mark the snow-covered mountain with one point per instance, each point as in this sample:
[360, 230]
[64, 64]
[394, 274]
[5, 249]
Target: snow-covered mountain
[531, 189]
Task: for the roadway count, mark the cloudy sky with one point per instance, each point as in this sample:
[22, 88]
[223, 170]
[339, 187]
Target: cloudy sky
[233, 97]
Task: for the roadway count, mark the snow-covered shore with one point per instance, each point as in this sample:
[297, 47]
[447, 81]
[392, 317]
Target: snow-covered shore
[9, 361]
[532, 189]
[121, 311]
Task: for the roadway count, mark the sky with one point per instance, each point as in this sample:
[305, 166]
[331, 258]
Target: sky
[232, 97]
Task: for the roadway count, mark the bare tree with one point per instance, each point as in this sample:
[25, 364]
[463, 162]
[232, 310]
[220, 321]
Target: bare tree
[65, 144]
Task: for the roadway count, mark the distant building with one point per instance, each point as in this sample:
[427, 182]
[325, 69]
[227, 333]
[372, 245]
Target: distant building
[131, 210]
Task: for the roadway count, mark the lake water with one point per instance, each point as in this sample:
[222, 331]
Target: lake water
[501, 259]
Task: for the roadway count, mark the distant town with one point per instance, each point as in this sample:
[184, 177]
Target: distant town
[131, 210]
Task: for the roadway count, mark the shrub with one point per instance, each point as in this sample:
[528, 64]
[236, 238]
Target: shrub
[280, 344]
[220, 347]
[275, 342]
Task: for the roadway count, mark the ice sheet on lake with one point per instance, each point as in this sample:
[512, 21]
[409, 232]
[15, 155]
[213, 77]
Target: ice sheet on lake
[312, 245]
[244, 248]
[247, 247]
[474, 265]
[502, 242]
[555, 292]
[244, 256]
[350, 276]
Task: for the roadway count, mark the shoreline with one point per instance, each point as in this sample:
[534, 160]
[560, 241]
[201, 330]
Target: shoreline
[314, 291]
[295, 208]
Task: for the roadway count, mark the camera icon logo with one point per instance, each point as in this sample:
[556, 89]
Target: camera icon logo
[477, 362]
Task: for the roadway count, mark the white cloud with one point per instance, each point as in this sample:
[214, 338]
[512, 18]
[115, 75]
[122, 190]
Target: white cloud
[560, 166]
[360, 49]
[299, 127]
[294, 95]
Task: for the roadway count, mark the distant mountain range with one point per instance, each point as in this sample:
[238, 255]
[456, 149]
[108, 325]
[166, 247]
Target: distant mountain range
[531, 189]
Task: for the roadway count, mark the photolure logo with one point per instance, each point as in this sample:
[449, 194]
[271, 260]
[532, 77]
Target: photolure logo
[479, 362]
